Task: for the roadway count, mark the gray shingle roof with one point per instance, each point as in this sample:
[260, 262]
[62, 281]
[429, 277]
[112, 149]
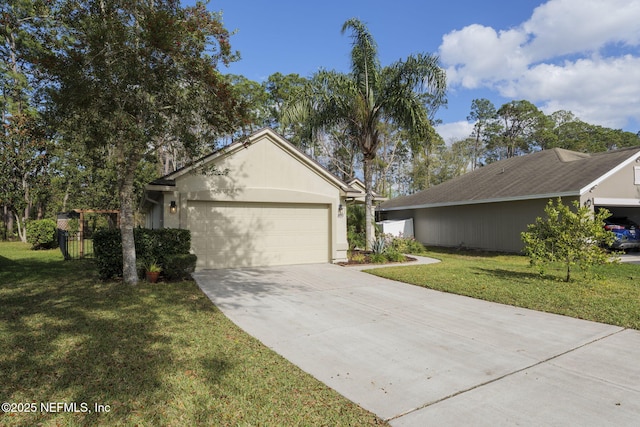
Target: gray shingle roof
[548, 173]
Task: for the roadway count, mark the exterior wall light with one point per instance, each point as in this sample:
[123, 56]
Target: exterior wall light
[340, 209]
[173, 208]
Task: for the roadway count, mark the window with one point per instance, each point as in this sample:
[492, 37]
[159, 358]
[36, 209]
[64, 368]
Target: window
[636, 175]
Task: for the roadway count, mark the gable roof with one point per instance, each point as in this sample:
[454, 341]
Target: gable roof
[358, 185]
[544, 174]
[243, 143]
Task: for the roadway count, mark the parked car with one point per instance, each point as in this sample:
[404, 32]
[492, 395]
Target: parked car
[627, 233]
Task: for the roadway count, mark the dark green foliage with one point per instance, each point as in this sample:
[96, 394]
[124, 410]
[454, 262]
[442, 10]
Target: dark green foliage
[107, 247]
[164, 246]
[355, 227]
[392, 255]
[41, 234]
[180, 266]
[378, 258]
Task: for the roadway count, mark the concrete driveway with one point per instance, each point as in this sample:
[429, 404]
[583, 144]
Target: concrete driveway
[631, 258]
[418, 357]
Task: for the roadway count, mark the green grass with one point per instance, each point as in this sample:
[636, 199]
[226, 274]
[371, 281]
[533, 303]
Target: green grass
[610, 296]
[156, 354]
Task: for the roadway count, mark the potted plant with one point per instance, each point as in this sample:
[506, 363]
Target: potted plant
[153, 271]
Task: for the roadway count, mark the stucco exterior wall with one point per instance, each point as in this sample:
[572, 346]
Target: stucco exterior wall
[261, 172]
[619, 193]
[620, 185]
[488, 226]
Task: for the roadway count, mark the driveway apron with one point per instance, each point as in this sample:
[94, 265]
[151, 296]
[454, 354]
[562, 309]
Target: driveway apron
[419, 357]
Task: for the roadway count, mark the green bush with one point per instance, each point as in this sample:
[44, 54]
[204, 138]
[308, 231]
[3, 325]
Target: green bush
[356, 227]
[378, 258]
[179, 267]
[107, 249]
[42, 234]
[407, 245]
[393, 255]
[357, 257]
[356, 239]
[158, 245]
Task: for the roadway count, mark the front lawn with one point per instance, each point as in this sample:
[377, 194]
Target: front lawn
[153, 355]
[613, 297]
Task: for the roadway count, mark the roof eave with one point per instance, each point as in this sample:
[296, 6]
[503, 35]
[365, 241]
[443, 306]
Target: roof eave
[483, 201]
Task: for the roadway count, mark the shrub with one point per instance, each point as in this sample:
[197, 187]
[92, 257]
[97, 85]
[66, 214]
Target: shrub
[42, 234]
[107, 249]
[180, 266]
[356, 227]
[406, 245]
[393, 255]
[356, 239]
[357, 257]
[158, 245]
[378, 258]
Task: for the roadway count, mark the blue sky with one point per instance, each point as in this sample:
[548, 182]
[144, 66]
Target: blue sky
[577, 55]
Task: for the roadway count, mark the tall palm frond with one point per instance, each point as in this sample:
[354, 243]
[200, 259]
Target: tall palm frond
[359, 101]
[365, 65]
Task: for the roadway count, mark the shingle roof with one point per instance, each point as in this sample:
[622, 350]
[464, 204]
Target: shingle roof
[548, 173]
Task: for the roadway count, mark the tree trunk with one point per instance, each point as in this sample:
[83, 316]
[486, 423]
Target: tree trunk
[129, 271]
[368, 202]
[22, 231]
[9, 227]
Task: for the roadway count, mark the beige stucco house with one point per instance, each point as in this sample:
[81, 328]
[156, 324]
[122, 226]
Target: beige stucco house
[257, 202]
[489, 207]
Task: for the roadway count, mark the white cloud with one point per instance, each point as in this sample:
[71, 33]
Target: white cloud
[563, 27]
[456, 131]
[577, 55]
[599, 91]
[479, 55]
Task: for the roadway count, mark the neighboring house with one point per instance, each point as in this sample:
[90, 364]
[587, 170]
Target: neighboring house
[257, 202]
[489, 207]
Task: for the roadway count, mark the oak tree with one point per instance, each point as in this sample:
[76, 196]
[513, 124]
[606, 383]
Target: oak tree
[125, 74]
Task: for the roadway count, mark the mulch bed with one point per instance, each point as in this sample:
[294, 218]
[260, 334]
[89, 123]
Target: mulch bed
[367, 259]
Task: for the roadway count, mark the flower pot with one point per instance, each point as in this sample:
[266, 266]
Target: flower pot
[152, 276]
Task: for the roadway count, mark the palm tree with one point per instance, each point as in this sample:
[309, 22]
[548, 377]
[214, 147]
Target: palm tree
[370, 94]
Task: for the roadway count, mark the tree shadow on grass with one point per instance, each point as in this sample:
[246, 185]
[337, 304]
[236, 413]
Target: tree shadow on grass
[522, 277]
[66, 337]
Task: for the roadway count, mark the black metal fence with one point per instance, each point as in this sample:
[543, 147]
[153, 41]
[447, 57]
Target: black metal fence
[75, 244]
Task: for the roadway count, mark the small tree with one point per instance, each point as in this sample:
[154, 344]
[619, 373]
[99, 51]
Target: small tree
[573, 237]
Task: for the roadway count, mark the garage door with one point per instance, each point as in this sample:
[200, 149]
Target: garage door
[232, 234]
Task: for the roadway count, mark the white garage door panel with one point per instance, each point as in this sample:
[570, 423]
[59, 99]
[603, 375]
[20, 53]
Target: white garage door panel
[233, 234]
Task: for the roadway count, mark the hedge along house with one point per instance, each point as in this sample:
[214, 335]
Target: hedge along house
[489, 207]
[256, 202]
